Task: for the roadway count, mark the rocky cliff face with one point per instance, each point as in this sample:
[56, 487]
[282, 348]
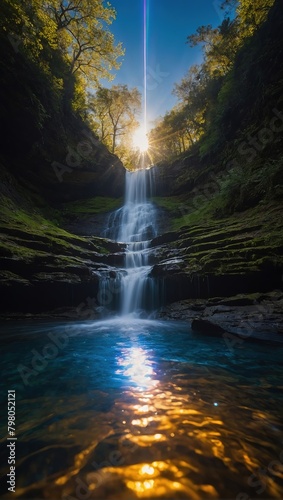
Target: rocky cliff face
[43, 265]
[223, 276]
[49, 159]
[79, 167]
[222, 257]
[223, 198]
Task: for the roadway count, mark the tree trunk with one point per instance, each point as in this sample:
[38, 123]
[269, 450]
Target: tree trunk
[114, 140]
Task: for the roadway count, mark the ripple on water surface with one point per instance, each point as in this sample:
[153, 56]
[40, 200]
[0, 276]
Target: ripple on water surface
[132, 408]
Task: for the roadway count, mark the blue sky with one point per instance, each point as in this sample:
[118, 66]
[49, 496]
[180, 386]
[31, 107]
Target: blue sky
[169, 22]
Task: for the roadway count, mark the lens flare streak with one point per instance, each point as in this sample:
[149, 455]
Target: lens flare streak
[145, 63]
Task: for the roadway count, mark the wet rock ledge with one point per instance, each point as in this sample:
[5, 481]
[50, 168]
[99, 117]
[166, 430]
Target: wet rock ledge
[255, 316]
[51, 269]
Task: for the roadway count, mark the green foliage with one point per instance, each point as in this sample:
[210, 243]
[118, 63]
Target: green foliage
[28, 27]
[84, 38]
[50, 53]
[245, 187]
[252, 14]
[173, 134]
[115, 110]
[215, 94]
[219, 45]
[251, 88]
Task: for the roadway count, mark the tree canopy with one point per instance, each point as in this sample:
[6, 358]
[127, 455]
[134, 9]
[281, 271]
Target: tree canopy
[202, 91]
[115, 111]
[84, 37]
[78, 29]
[69, 40]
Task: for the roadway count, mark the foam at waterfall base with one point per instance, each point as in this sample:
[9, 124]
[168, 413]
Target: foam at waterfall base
[137, 322]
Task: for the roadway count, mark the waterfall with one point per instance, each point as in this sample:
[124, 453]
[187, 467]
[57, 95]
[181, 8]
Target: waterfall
[135, 225]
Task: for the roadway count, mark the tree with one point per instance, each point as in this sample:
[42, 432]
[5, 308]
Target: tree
[28, 27]
[194, 96]
[250, 14]
[219, 45]
[172, 135]
[68, 39]
[84, 37]
[115, 112]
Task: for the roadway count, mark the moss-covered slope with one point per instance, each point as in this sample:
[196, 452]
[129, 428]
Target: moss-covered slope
[220, 257]
[43, 266]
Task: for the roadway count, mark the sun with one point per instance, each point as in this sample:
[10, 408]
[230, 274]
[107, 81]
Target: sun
[140, 140]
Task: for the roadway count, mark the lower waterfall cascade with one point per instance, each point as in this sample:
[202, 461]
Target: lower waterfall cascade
[134, 224]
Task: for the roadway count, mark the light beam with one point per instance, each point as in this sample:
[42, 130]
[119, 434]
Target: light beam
[145, 65]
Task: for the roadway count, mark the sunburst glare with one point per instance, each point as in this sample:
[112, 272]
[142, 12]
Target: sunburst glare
[140, 140]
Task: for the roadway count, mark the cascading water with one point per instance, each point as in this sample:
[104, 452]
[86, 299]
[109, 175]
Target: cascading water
[135, 225]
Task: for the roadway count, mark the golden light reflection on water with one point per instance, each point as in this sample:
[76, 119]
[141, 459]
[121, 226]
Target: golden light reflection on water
[136, 366]
[170, 438]
[160, 416]
[172, 420]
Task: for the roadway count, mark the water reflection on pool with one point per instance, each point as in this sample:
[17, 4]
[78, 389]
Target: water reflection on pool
[128, 409]
[135, 365]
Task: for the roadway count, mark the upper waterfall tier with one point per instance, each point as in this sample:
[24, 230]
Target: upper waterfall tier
[136, 220]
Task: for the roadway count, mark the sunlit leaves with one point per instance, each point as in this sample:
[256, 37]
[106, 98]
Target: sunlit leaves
[84, 37]
[79, 30]
[219, 45]
[30, 25]
[172, 135]
[252, 14]
[203, 88]
[115, 111]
